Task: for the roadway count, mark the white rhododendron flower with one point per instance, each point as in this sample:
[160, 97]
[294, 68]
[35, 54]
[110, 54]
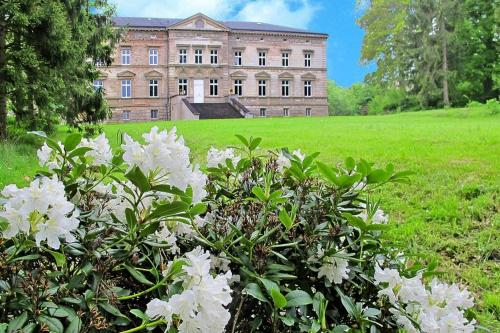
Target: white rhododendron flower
[379, 217]
[47, 157]
[297, 153]
[283, 162]
[334, 269]
[216, 157]
[40, 209]
[201, 306]
[166, 154]
[437, 308]
[101, 153]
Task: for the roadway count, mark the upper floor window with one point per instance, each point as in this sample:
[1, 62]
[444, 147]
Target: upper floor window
[237, 58]
[214, 87]
[126, 88]
[100, 63]
[214, 57]
[262, 87]
[262, 112]
[153, 56]
[182, 56]
[285, 88]
[154, 114]
[153, 88]
[307, 59]
[286, 112]
[307, 88]
[262, 58]
[308, 112]
[284, 59]
[198, 56]
[98, 85]
[238, 87]
[183, 86]
[126, 55]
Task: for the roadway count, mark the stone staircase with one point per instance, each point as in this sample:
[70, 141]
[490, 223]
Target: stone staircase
[216, 110]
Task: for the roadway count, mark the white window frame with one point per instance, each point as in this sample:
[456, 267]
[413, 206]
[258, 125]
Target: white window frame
[238, 61]
[153, 56]
[127, 85]
[198, 56]
[262, 88]
[238, 87]
[153, 112]
[154, 90]
[98, 84]
[284, 59]
[286, 112]
[182, 56]
[307, 88]
[183, 87]
[126, 115]
[214, 56]
[214, 87]
[262, 58]
[308, 112]
[100, 63]
[126, 56]
[285, 88]
[307, 59]
[262, 112]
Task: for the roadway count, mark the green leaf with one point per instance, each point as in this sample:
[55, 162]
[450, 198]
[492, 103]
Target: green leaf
[75, 325]
[80, 151]
[298, 298]
[17, 323]
[285, 219]
[72, 141]
[53, 324]
[278, 299]
[139, 314]
[341, 329]
[350, 164]
[137, 177]
[254, 143]
[111, 309]
[254, 290]
[138, 275]
[259, 193]
[378, 176]
[198, 209]
[169, 209]
[327, 172]
[59, 257]
[27, 257]
[242, 139]
[30, 328]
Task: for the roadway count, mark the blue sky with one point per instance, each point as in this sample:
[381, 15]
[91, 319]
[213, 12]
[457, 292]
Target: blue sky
[334, 17]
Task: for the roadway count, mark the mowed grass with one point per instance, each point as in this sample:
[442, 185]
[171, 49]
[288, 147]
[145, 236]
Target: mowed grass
[449, 212]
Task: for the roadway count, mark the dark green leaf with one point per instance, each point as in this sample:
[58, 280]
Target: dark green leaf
[298, 298]
[138, 275]
[53, 324]
[254, 290]
[72, 141]
[17, 323]
[137, 177]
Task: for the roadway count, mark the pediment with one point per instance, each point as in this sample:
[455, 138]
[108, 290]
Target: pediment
[154, 74]
[126, 74]
[199, 22]
[308, 76]
[286, 76]
[214, 72]
[238, 75]
[263, 75]
[102, 75]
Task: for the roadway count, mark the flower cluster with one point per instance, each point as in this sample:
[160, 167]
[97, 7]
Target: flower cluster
[201, 305]
[101, 153]
[166, 154]
[40, 209]
[283, 160]
[216, 157]
[334, 269]
[434, 309]
[47, 157]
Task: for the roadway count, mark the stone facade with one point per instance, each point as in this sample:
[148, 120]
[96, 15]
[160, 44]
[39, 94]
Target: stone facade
[148, 60]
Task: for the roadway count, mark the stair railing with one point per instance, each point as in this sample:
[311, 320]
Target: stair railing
[240, 107]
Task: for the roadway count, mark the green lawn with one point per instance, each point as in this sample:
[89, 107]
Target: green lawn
[449, 212]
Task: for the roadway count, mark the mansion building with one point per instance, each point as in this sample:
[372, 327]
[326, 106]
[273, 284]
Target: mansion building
[200, 68]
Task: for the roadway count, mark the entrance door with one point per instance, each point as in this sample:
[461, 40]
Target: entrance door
[199, 93]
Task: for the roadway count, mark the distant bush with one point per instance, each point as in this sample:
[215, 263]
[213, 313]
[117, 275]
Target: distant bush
[493, 106]
[350, 101]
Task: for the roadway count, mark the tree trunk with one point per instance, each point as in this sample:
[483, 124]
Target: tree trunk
[446, 93]
[3, 86]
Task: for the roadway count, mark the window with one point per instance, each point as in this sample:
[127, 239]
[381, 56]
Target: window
[100, 63]
[262, 58]
[285, 88]
[183, 86]
[126, 115]
[308, 112]
[262, 87]
[237, 58]
[182, 56]
[307, 59]
[238, 87]
[154, 114]
[214, 57]
[262, 112]
[307, 88]
[153, 88]
[153, 56]
[286, 113]
[126, 55]
[198, 56]
[214, 85]
[98, 85]
[126, 88]
[284, 59]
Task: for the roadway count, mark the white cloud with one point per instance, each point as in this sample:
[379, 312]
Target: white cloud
[295, 13]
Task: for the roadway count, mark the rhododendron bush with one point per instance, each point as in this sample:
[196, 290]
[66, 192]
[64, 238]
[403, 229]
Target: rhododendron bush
[253, 241]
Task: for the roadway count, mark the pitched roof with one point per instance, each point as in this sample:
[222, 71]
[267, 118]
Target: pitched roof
[145, 22]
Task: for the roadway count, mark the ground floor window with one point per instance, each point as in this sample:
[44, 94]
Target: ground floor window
[98, 85]
[262, 112]
[126, 88]
[154, 114]
[126, 115]
[153, 88]
[238, 87]
[214, 87]
[307, 88]
[183, 86]
[262, 88]
[285, 88]
[286, 112]
[308, 112]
